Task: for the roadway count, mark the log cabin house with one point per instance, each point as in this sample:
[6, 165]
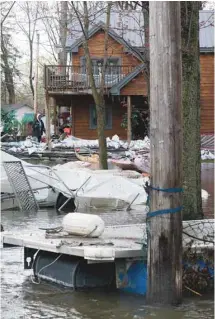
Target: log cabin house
[69, 86]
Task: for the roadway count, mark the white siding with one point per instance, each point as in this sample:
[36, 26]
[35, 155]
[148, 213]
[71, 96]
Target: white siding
[21, 111]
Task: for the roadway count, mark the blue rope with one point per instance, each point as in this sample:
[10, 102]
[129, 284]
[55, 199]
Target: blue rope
[164, 211]
[167, 190]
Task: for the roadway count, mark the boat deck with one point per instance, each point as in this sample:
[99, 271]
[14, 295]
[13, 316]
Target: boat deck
[121, 241]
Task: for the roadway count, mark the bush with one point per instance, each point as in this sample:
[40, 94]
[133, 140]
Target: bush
[9, 122]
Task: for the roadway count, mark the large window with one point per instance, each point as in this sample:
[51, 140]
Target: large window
[108, 117]
[112, 65]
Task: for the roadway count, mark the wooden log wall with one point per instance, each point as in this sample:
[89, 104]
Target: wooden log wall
[96, 48]
[136, 86]
[207, 93]
[81, 118]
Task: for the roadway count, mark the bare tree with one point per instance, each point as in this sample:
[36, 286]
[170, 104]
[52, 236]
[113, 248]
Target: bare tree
[5, 15]
[48, 16]
[8, 55]
[56, 19]
[31, 11]
[98, 94]
[63, 32]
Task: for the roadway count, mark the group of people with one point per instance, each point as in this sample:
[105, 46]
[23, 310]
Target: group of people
[38, 128]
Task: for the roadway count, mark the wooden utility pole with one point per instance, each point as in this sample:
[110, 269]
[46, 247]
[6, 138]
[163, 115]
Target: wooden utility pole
[36, 76]
[164, 220]
[129, 125]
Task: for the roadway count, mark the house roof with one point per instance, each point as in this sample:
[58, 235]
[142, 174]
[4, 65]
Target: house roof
[206, 30]
[13, 107]
[115, 90]
[101, 26]
[127, 26]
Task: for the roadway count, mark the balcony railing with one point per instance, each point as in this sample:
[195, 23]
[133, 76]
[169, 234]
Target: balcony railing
[76, 79]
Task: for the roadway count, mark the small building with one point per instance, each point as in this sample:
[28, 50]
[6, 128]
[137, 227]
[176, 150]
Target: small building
[124, 78]
[23, 113]
[19, 109]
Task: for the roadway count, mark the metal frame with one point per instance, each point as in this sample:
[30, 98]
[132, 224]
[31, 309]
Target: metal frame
[71, 194]
[14, 188]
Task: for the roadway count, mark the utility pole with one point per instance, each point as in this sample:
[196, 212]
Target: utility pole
[36, 76]
[164, 220]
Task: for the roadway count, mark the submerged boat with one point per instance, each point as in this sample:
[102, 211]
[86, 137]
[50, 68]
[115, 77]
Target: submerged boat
[40, 183]
[108, 189]
[111, 192]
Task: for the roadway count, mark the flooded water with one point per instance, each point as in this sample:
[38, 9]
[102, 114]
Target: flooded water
[22, 299]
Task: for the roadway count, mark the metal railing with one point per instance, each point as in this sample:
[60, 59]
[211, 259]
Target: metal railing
[76, 78]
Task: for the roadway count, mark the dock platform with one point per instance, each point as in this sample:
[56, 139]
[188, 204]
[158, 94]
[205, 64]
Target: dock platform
[118, 257]
[120, 241]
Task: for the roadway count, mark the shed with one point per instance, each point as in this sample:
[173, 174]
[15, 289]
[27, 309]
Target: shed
[19, 109]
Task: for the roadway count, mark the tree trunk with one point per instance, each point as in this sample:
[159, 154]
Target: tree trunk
[36, 76]
[50, 102]
[98, 94]
[192, 201]
[8, 72]
[100, 110]
[63, 33]
[164, 220]
[146, 58]
[129, 125]
[31, 67]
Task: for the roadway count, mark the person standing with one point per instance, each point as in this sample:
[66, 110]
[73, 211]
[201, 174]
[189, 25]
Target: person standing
[38, 127]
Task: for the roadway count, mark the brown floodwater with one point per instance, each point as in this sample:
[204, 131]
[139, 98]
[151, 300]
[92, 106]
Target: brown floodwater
[22, 299]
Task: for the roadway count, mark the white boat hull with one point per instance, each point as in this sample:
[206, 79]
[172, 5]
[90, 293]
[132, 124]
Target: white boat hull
[45, 196]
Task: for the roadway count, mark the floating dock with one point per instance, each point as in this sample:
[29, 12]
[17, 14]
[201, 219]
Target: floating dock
[117, 257]
[121, 241]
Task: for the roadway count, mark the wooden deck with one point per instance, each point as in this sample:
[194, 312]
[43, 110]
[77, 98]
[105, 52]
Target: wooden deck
[75, 79]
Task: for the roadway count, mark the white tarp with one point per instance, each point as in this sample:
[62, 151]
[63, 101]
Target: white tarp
[105, 191]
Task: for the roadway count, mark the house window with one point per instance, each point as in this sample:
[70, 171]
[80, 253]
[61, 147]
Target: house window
[97, 63]
[108, 117]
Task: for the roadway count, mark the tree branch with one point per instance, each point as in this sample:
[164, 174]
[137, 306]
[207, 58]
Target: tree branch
[7, 13]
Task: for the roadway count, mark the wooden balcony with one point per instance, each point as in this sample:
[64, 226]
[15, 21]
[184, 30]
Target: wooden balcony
[75, 80]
